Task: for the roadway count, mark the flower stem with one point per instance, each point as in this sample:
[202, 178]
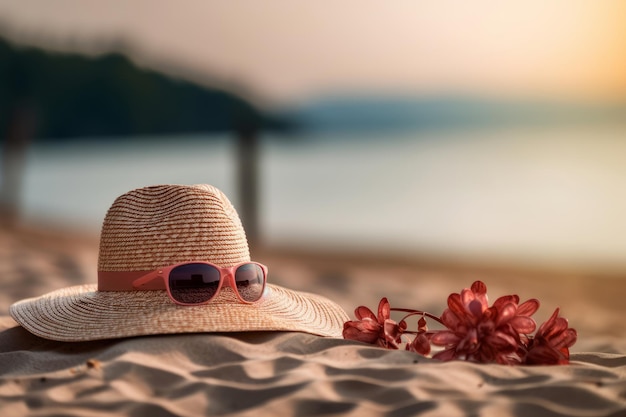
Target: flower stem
[416, 313]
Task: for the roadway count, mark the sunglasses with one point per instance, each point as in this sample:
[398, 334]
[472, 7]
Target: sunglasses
[197, 283]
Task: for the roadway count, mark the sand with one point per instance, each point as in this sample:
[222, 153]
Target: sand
[276, 373]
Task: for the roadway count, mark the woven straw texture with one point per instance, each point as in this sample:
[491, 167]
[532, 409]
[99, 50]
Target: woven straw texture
[82, 313]
[152, 227]
[162, 225]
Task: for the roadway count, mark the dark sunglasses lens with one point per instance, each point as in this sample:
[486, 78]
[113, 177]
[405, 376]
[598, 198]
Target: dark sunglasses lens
[250, 281]
[194, 283]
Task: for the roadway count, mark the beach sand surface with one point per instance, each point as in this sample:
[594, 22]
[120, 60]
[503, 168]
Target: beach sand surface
[296, 374]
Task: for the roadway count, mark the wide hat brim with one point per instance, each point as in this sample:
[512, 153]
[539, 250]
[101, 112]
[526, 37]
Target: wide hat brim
[82, 313]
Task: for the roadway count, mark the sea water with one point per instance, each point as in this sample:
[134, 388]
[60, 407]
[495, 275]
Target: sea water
[552, 194]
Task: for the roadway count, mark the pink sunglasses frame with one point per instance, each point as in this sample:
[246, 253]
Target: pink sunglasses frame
[227, 277]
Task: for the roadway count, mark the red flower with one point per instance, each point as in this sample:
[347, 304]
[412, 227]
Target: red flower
[479, 333]
[380, 330]
[551, 343]
[473, 330]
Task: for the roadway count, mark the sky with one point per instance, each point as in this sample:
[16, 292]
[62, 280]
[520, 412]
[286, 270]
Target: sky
[284, 51]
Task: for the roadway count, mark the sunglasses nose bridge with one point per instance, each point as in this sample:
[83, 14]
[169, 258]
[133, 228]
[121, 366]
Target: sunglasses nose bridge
[228, 278]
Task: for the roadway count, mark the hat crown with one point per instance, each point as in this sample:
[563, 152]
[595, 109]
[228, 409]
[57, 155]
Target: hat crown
[156, 226]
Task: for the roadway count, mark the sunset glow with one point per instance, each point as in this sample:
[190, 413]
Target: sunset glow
[285, 50]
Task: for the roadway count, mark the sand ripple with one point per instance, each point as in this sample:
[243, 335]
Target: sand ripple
[287, 374]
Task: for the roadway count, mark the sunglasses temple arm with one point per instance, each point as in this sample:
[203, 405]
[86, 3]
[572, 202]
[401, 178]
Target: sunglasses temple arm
[145, 279]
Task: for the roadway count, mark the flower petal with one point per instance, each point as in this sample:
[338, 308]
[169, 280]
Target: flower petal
[479, 287]
[543, 355]
[480, 293]
[548, 323]
[506, 312]
[564, 339]
[363, 312]
[502, 340]
[422, 326]
[450, 320]
[403, 325]
[523, 324]
[367, 325]
[553, 326]
[444, 338]
[392, 331]
[505, 299]
[384, 311]
[528, 308]
[420, 344]
[476, 308]
[456, 305]
[467, 296]
[353, 333]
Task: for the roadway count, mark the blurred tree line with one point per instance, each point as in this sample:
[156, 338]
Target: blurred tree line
[71, 95]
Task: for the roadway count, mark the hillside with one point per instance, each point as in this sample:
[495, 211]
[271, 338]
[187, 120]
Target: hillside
[71, 95]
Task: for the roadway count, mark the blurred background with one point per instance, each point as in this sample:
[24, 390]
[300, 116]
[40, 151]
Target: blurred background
[452, 132]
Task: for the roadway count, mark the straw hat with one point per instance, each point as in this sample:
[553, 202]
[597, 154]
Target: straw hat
[152, 227]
